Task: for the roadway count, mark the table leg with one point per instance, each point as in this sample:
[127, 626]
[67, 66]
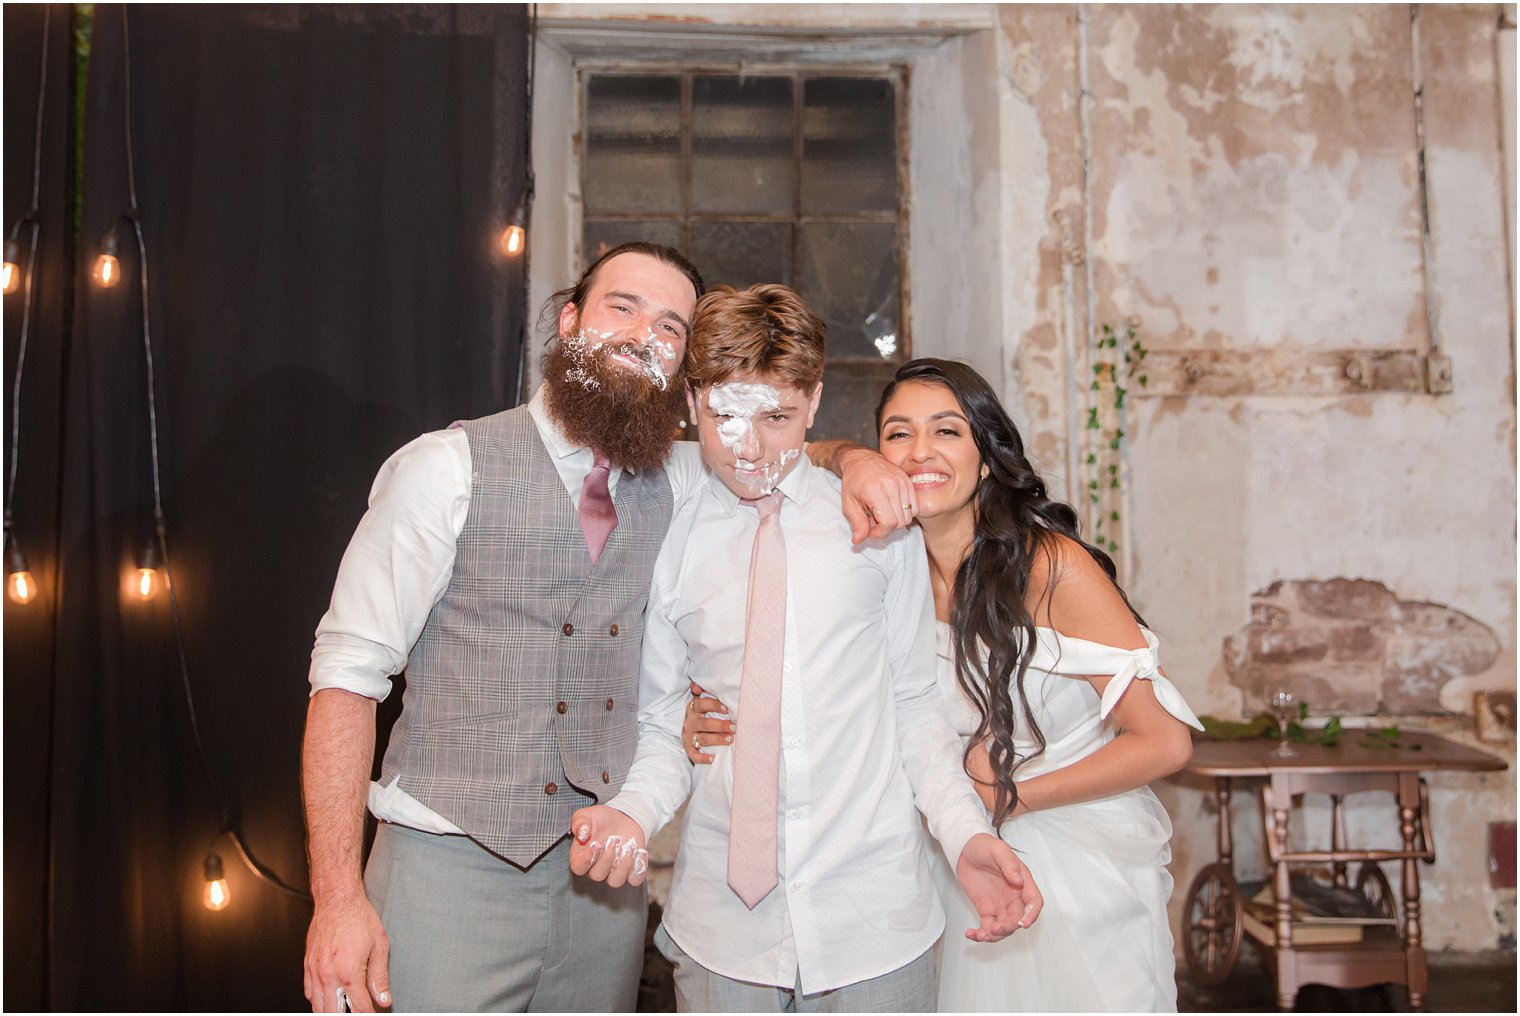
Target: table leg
[1338, 838]
[1222, 796]
[1414, 948]
[1280, 801]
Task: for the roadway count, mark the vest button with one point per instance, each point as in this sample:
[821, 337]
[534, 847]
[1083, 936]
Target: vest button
[568, 629]
[614, 631]
[551, 789]
[560, 708]
[606, 777]
[609, 705]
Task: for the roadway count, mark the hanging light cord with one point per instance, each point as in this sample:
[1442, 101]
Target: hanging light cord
[229, 827]
[29, 220]
[528, 104]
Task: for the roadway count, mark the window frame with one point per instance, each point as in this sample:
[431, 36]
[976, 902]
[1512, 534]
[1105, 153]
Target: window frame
[899, 76]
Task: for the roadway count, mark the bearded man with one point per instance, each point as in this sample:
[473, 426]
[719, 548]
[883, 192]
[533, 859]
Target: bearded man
[504, 563]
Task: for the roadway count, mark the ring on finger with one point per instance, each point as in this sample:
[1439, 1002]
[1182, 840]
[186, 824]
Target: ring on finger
[693, 705]
[696, 744]
[907, 508]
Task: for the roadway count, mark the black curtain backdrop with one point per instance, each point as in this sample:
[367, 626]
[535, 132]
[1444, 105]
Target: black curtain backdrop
[321, 189]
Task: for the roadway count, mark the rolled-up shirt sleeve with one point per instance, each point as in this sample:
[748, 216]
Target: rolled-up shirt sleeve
[396, 567]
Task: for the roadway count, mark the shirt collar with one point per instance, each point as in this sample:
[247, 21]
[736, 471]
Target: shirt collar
[795, 486]
[558, 445]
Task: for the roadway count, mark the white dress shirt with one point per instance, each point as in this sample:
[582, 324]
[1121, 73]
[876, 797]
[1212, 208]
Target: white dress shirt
[863, 739]
[400, 560]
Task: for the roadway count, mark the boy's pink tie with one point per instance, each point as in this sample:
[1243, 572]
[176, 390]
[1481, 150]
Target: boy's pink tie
[752, 821]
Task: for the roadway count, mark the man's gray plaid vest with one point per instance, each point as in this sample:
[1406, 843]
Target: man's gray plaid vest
[523, 686]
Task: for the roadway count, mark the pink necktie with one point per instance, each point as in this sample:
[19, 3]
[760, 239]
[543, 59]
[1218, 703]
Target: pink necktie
[598, 517]
[757, 764]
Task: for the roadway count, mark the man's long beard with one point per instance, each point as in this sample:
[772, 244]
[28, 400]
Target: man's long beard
[619, 413]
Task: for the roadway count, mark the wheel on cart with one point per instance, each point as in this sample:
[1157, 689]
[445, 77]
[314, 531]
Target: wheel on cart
[1212, 927]
[1373, 884]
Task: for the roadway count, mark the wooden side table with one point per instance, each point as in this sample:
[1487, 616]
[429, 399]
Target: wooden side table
[1212, 925]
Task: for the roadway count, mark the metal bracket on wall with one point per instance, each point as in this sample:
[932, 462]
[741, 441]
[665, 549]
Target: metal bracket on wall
[1229, 372]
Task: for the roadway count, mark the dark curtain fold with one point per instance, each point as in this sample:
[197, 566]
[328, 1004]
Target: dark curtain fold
[320, 190]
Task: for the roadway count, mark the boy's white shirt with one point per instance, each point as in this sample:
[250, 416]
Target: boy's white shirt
[863, 739]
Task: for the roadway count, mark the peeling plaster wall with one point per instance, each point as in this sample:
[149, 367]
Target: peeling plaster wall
[1254, 187]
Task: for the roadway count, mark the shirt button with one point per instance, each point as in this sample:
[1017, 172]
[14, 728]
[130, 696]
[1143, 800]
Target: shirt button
[568, 629]
[609, 705]
[613, 629]
[560, 708]
[606, 776]
[794, 742]
[551, 789]
[795, 813]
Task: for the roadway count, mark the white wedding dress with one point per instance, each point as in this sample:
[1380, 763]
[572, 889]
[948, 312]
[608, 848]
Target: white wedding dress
[1102, 943]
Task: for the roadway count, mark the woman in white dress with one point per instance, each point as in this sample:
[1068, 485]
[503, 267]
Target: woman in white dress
[1052, 681]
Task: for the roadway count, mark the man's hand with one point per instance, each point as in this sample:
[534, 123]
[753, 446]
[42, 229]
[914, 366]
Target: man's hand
[347, 948]
[878, 496]
[608, 847]
[999, 886]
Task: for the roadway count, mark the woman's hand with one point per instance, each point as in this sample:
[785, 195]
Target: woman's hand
[703, 730]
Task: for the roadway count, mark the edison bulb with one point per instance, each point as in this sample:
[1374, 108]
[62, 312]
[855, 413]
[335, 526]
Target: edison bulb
[217, 895]
[513, 239]
[21, 587]
[107, 270]
[147, 583]
[10, 277]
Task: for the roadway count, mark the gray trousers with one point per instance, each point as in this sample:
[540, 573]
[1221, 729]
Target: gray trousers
[909, 988]
[471, 932]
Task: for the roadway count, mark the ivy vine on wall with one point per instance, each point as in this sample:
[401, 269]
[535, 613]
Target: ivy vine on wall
[1118, 364]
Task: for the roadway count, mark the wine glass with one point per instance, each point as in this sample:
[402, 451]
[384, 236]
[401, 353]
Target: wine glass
[1285, 708]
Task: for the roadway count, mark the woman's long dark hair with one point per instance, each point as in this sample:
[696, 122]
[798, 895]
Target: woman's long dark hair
[1015, 520]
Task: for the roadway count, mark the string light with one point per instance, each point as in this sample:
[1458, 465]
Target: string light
[10, 275]
[145, 581]
[20, 587]
[216, 896]
[514, 239]
[107, 270]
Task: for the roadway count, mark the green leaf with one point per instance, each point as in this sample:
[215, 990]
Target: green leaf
[1143, 380]
[1092, 459]
[1113, 516]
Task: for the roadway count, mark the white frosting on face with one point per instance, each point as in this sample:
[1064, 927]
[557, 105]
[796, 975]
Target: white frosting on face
[740, 403]
[647, 350]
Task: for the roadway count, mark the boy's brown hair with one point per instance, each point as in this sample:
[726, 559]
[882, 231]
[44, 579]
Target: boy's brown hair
[763, 330]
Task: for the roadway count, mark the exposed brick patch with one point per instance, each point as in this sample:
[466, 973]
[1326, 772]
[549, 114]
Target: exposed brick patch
[1352, 646]
[1353, 599]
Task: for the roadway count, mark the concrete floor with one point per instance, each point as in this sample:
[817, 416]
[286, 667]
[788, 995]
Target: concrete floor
[1459, 982]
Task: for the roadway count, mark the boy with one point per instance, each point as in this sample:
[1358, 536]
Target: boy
[800, 883]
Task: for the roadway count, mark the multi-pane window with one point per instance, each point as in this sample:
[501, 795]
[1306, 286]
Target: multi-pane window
[793, 177]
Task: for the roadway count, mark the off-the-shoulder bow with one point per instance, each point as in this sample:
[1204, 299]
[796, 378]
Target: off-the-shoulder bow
[1144, 664]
